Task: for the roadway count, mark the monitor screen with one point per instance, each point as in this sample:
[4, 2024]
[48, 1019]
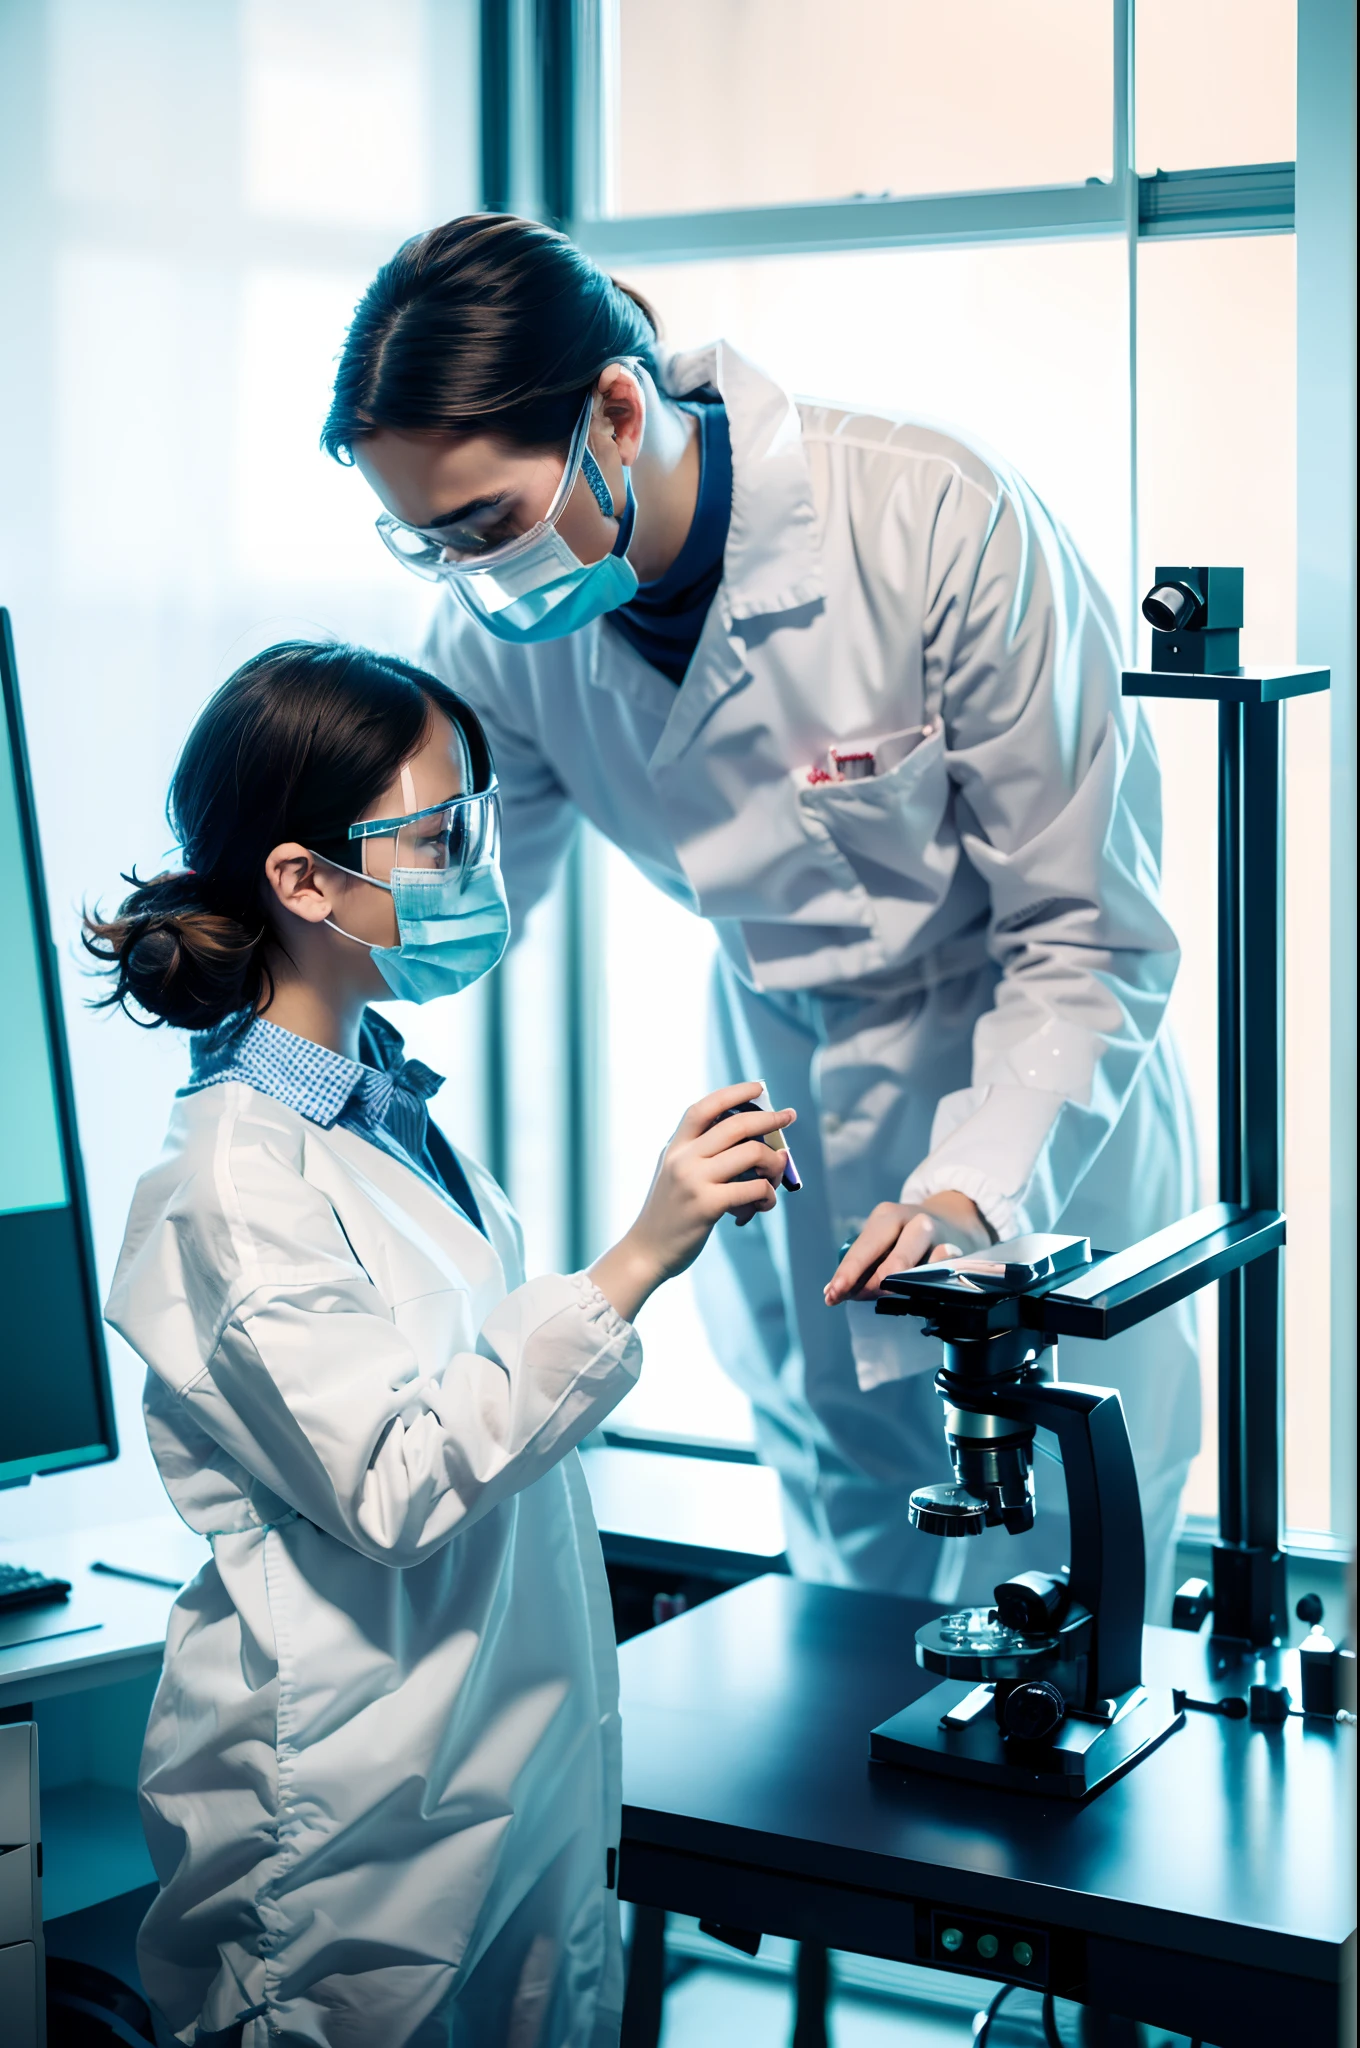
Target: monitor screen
[55, 1408]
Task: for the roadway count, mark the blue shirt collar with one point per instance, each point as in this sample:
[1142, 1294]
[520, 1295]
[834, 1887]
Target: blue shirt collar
[309, 1078]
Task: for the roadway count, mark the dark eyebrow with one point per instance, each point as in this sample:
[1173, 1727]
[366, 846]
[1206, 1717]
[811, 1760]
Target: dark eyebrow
[462, 512]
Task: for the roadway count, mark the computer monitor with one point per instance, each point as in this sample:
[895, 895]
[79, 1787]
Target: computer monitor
[56, 1409]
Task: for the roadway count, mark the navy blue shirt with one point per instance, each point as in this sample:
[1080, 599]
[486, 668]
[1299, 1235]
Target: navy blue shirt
[664, 621]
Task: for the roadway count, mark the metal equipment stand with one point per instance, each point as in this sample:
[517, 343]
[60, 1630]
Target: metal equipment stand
[1249, 1563]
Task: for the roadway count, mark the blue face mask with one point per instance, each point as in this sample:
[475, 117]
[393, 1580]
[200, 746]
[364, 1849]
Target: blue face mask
[562, 604]
[533, 587]
[452, 925]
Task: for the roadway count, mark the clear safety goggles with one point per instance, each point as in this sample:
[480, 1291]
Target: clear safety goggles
[458, 835]
[497, 575]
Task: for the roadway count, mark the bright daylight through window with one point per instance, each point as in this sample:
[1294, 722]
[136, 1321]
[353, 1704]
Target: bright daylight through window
[1109, 302]
[1152, 383]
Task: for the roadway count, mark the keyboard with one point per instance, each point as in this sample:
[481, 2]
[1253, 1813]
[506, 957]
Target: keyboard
[20, 1587]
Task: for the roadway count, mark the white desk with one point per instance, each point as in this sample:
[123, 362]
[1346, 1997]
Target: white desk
[655, 1510]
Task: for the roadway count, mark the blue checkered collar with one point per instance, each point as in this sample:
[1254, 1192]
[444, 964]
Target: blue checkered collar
[309, 1078]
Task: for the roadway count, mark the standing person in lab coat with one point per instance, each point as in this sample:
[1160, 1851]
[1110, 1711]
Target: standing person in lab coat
[381, 1777]
[842, 685]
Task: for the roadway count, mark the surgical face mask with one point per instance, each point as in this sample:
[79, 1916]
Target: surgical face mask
[453, 922]
[533, 587]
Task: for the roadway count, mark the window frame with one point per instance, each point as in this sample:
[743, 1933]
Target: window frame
[549, 69]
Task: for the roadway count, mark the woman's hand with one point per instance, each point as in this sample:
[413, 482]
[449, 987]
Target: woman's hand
[899, 1235]
[711, 1168]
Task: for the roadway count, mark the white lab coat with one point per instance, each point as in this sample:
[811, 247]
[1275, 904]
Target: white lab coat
[956, 970]
[382, 1770]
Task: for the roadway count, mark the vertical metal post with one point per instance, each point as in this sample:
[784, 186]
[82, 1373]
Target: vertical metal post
[1249, 1582]
[1125, 174]
[1231, 1518]
[581, 1021]
[576, 1177]
[555, 27]
[496, 1077]
[495, 105]
[1263, 1136]
[1325, 217]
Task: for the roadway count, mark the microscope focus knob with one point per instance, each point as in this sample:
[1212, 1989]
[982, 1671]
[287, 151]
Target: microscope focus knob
[948, 1510]
[1033, 1710]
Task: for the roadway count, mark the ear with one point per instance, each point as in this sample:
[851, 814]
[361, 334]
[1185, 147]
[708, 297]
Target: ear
[625, 410]
[300, 883]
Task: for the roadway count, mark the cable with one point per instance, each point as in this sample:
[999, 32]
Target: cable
[982, 2025]
[1051, 2034]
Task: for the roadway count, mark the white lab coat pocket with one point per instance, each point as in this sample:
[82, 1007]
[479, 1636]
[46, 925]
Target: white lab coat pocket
[887, 827]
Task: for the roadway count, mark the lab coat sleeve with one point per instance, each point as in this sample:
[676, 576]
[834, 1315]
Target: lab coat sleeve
[538, 817]
[320, 1397]
[1057, 799]
[390, 1427]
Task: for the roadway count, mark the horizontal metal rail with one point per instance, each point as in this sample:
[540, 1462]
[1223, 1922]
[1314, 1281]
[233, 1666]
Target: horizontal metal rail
[1233, 200]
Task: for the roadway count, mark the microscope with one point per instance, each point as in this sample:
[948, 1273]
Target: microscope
[1042, 1691]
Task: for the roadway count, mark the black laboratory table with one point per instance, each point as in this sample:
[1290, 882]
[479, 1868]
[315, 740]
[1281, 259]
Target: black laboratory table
[1209, 1890]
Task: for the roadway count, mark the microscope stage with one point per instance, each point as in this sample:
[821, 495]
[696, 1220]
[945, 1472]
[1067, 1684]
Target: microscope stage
[1073, 1763]
[972, 1643]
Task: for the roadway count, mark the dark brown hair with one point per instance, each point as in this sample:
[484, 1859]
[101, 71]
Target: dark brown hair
[489, 325]
[295, 745]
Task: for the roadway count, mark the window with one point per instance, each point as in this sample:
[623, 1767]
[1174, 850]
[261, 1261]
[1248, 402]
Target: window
[945, 249]
[761, 101]
[1065, 231]
[1214, 83]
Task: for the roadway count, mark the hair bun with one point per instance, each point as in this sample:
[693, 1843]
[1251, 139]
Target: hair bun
[178, 956]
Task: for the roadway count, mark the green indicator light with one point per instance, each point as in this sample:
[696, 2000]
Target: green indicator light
[987, 1946]
[952, 1939]
[1023, 1953]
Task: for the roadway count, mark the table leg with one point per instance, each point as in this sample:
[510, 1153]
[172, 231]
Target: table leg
[811, 1990]
[646, 1986]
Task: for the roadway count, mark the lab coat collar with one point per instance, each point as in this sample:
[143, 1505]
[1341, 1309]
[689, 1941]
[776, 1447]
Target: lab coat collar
[772, 561]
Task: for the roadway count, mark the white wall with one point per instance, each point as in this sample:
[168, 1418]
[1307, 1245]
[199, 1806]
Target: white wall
[194, 197]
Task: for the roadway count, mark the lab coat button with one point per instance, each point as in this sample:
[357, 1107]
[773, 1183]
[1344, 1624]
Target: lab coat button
[831, 1122]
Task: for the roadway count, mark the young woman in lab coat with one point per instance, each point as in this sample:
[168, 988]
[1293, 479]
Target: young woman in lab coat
[841, 684]
[380, 1782]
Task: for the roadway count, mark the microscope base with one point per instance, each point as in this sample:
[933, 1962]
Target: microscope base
[1081, 1757]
